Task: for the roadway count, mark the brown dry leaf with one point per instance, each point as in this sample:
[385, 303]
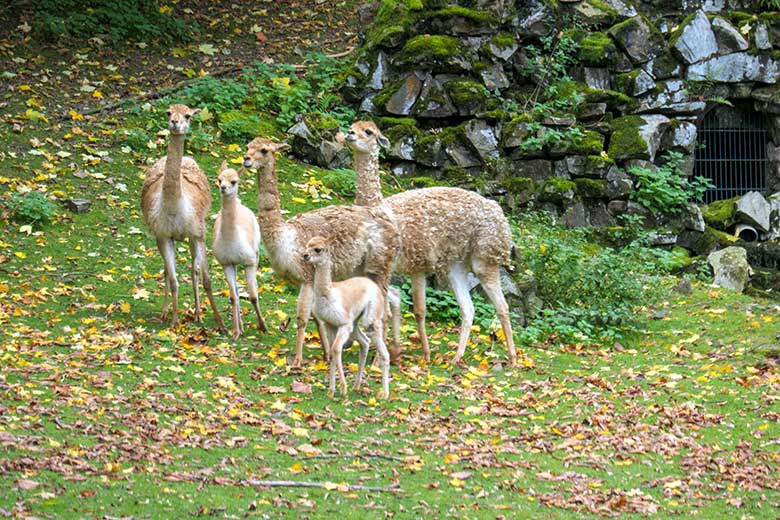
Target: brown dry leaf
[27, 484]
[301, 388]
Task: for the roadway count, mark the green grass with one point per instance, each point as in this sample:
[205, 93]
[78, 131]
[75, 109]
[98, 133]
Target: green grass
[111, 414]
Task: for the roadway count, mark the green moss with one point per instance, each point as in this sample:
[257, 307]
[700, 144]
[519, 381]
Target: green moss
[597, 162]
[456, 175]
[425, 182]
[427, 50]
[503, 40]
[399, 132]
[626, 143]
[588, 143]
[592, 188]
[720, 213]
[615, 100]
[597, 49]
[609, 14]
[622, 30]
[740, 18]
[625, 82]
[479, 17]
[519, 184]
[237, 126]
[319, 123]
[468, 96]
[387, 122]
[393, 20]
[558, 190]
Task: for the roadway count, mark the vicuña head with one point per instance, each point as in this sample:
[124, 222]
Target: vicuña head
[363, 136]
[179, 117]
[316, 250]
[260, 152]
[227, 180]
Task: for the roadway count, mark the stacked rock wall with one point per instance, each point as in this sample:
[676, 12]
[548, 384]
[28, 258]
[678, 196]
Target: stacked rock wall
[455, 89]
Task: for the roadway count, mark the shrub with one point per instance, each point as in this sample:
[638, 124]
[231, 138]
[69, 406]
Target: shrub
[218, 95]
[341, 181]
[32, 207]
[667, 190]
[114, 20]
[591, 292]
[136, 139]
[442, 307]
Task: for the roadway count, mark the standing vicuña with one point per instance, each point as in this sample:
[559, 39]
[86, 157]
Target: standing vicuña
[175, 199]
[346, 306]
[362, 241]
[236, 242]
[446, 231]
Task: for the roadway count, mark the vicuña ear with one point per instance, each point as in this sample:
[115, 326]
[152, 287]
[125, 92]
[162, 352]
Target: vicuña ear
[383, 141]
[280, 147]
[223, 166]
[341, 138]
[195, 111]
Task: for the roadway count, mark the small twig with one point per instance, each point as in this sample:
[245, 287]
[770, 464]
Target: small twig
[356, 456]
[298, 483]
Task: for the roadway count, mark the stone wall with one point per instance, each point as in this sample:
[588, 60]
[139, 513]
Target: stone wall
[449, 84]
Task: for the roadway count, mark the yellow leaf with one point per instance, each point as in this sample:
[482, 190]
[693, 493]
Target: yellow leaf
[140, 294]
[233, 147]
[296, 468]
[456, 482]
[20, 254]
[75, 116]
[300, 432]
[124, 307]
[299, 200]
[330, 486]
[97, 94]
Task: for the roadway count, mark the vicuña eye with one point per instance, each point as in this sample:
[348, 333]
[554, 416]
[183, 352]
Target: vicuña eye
[369, 133]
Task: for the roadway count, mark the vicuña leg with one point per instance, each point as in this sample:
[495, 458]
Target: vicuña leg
[168, 252]
[336, 365]
[303, 313]
[418, 308]
[251, 287]
[194, 268]
[394, 303]
[458, 277]
[490, 278]
[203, 267]
[378, 339]
[364, 345]
[230, 275]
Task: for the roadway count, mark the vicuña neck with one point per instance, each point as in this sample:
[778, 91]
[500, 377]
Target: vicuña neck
[322, 280]
[269, 208]
[172, 180]
[229, 205]
[368, 189]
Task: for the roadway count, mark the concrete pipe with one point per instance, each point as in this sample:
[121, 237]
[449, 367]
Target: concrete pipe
[746, 233]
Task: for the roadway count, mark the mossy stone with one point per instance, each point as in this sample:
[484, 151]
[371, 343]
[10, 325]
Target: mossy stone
[592, 188]
[720, 213]
[626, 142]
[558, 190]
[468, 96]
[520, 191]
[597, 49]
[437, 52]
[589, 143]
[237, 126]
[393, 20]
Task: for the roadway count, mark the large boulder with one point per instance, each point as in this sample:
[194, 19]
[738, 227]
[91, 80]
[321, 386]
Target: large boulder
[730, 268]
[639, 38]
[736, 67]
[753, 209]
[401, 102]
[670, 97]
[637, 137]
[483, 138]
[680, 137]
[728, 37]
[694, 40]
[313, 139]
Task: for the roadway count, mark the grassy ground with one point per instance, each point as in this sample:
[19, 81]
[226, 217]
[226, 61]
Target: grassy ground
[106, 413]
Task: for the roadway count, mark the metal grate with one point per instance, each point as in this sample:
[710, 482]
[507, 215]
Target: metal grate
[731, 152]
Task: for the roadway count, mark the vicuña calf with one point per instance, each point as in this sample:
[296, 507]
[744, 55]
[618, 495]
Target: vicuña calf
[346, 306]
[236, 242]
